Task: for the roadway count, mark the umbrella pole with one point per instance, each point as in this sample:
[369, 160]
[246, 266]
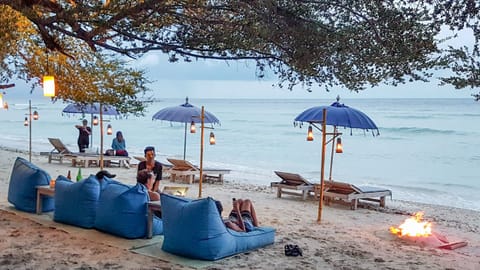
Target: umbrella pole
[185, 142]
[322, 171]
[202, 116]
[91, 130]
[101, 137]
[333, 148]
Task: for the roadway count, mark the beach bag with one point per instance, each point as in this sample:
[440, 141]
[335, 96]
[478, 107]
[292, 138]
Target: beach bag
[121, 152]
[110, 152]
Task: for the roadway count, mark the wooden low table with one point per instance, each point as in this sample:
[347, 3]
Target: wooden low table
[89, 160]
[43, 191]
[152, 206]
[209, 175]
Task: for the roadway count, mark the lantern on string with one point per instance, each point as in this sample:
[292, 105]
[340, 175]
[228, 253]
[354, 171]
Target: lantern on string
[95, 120]
[48, 83]
[109, 130]
[339, 148]
[48, 86]
[212, 138]
[193, 129]
[310, 134]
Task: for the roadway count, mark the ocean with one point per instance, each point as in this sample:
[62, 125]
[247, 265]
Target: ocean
[428, 150]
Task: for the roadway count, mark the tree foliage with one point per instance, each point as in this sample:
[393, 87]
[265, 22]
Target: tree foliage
[351, 43]
[85, 78]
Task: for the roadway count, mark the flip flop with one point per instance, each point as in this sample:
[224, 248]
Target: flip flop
[297, 250]
[288, 250]
[293, 250]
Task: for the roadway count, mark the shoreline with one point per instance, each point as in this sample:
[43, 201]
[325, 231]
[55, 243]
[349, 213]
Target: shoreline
[24, 154]
[345, 239]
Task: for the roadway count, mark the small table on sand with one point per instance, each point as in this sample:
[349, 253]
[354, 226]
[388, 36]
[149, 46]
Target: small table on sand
[152, 206]
[43, 191]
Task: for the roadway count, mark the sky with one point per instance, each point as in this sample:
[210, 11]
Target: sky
[220, 79]
[238, 80]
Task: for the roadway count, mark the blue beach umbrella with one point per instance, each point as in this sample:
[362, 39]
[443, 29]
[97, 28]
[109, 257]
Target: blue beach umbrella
[90, 109]
[93, 108]
[336, 115]
[185, 113]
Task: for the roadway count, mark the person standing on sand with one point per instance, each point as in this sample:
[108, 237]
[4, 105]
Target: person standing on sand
[84, 132]
[152, 165]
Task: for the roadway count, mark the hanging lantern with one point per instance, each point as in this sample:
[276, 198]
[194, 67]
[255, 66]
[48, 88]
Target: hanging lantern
[212, 138]
[95, 121]
[25, 123]
[3, 103]
[109, 130]
[310, 134]
[48, 86]
[193, 129]
[339, 148]
[35, 115]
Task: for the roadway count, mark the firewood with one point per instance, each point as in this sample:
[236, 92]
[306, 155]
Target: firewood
[454, 245]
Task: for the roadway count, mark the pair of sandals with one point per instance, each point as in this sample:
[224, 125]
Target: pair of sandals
[293, 250]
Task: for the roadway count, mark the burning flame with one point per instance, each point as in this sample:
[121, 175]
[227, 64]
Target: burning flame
[413, 226]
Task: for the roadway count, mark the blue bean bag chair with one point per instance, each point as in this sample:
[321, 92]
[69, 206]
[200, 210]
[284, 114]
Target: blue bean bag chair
[195, 229]
[22, 191]
[76, 202]
[122, 210]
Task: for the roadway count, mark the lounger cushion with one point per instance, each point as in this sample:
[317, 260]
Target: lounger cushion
[22, 189]
[76, 202]
[122, 210]
[194, 229]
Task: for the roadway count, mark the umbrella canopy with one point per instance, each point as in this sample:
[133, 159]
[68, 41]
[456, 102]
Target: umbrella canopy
[90, 109]
[185, 113]
[336, 115]
[94, 108]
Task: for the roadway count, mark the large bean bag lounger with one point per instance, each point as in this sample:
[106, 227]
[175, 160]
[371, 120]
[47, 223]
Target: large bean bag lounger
[76, 202]
[122, 210]
[195, 229]
[22, 191]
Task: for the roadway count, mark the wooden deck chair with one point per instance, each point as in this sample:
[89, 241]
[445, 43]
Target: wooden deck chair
[188, 171]
[59, 150]
[183, 169]
[292, 183]
[352, 194]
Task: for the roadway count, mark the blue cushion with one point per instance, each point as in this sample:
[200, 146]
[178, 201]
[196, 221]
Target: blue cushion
[22, 191]
[195, 229]
[76, 203]
[122, 210]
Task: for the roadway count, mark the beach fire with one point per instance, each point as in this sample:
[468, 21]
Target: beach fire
[416, 230]
[414, 227]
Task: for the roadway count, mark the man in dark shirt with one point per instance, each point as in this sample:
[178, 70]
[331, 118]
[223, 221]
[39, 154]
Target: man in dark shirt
[84, 132]
[152, 165]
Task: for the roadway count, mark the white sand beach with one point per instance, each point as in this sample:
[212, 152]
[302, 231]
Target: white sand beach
[345, 239]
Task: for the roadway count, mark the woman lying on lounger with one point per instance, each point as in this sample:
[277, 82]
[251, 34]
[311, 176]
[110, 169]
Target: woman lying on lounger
[242, 218]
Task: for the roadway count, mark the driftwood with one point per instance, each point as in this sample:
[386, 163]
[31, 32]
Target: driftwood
[454, 245]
